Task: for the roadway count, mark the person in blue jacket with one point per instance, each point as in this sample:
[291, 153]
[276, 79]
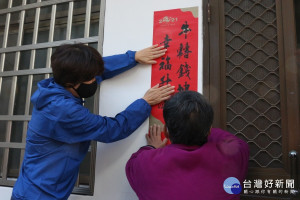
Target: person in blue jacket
[61, 128]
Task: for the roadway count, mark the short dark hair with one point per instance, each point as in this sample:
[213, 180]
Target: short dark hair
[75, 63]
[188, 117]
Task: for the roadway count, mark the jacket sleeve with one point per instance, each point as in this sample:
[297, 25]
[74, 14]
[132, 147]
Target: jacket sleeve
[81, 125]
[117, 64]
[132, 165]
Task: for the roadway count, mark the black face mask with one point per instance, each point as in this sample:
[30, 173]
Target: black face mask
[86, 90]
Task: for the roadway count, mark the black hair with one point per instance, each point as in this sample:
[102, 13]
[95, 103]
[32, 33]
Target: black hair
[75, 63]
[188, 117]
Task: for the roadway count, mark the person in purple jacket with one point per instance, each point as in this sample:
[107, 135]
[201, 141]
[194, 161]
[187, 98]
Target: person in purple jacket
[198, 164]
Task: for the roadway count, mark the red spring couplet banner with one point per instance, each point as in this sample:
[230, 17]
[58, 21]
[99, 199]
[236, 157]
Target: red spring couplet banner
[176, 30]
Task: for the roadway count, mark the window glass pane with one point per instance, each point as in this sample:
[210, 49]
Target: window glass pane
[94, 28]
[17, 3]
[27, 37]
[44, 24]
[24, 59]
[36, 79]
[31, 1]
[3, 4]
[2, 21]
[96, 3]
[9, 61]
[13, 163]
[13, 29]
[43, 35]
[45, 12]
[77, 30]
[16, 131]
[62, 9]
[28, 26]
[80, 4]
[30, 15]
[1, 160]
[3, 125]
[21, 90]
[4, 95]
[61, 19]
[95, 12]
[2, 27]
[84, 171]
[40, 58]
[1, 37]
[78, 22]
[94, 45]
[60, 31]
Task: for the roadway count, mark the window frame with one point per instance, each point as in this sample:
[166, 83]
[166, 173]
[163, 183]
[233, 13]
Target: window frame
[15, 73]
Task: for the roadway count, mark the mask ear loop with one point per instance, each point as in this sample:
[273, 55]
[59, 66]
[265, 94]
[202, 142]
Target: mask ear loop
[71, 86]
[75, 90]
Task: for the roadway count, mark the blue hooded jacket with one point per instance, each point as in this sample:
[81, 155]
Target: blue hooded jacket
[60, 132]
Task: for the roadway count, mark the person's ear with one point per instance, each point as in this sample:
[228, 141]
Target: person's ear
[209, 131]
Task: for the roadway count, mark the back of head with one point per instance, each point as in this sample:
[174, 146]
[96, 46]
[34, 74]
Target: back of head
[188, 117]
[75, 63]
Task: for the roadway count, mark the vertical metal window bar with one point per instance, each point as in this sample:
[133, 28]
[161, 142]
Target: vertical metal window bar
[5, 36]
[70, 18]
[87, 18]
[19, 43]
[51, 34]
[101, 26]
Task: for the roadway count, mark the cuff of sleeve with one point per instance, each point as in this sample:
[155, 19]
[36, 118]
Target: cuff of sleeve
[131, 55]
[146, 104]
